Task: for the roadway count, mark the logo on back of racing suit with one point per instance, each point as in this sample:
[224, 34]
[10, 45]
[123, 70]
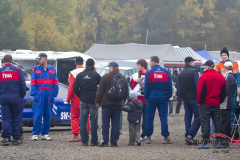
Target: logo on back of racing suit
[6, 75]
[86, 77]
[156, 76]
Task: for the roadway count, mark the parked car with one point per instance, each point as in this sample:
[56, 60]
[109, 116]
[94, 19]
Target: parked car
[60, 113]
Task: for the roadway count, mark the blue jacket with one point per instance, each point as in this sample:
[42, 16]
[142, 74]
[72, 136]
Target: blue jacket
[41, 79]
[158, 80]
[12, 80]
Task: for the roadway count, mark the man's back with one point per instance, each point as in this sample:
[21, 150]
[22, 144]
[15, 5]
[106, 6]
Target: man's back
[87, 81]
[12, 80]
[158, 79]
[211, 88]
[187, 80]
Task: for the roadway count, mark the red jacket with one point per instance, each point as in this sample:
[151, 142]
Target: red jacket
[211, 88]
[135, 86]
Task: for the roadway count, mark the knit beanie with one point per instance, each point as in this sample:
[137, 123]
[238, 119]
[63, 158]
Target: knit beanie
[224, 50]
[90, 62]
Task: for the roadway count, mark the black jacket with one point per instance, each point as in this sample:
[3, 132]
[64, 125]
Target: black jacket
[231, 87]
[187, 83]
[134, 109]
[86, 84]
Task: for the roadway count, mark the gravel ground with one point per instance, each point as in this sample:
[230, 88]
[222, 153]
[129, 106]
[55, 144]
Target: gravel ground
[59, 148]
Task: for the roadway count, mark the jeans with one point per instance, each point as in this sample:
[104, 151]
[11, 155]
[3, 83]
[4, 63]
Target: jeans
[212, 128]
[191, 108]
[111, 112]
[170, 103]
[87, 109]
[179, 104]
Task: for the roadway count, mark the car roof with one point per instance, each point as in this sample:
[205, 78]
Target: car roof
[125, 68]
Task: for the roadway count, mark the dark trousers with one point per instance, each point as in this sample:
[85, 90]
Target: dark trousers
[111, 112]
[144, 120]
[179, 104]
[12, 110]
[205, 112]
[191, 108]
[226, 121]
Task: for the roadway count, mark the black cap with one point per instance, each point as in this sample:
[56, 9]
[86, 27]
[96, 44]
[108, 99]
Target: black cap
[209, 63]
[90, 62]
[41, 55]
[79, 60]
[224, 50]
[189, 59]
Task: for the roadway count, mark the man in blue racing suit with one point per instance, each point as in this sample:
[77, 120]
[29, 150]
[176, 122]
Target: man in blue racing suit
[157, 92]
[12, 92]
[44, 88]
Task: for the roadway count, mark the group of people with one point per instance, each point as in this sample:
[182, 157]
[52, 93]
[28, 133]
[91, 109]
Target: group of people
[210, 96]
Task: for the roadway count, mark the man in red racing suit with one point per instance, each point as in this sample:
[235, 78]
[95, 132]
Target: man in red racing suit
[74, 100]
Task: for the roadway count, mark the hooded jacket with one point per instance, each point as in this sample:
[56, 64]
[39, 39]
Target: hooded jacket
[134, 109]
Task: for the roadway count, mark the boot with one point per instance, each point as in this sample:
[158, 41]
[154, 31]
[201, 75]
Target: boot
[75, 138]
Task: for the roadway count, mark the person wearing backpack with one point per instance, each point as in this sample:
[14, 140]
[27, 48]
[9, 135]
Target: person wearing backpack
[111, 95]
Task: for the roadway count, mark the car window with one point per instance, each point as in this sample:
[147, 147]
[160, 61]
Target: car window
[62, 91]
[27, 89]
[130, 72]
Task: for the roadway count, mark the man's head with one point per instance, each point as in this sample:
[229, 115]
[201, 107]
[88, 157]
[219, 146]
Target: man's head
[79, 61]
[154, 60]
[189, 61]
[141, 65]
[209, 65]
[7, 59]
[228, 66]
[90, 63]
[42, 58]
[133, 95]
[224, 54]
[112, 66]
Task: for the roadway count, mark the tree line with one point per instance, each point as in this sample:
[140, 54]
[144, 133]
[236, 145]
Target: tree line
[75, 25]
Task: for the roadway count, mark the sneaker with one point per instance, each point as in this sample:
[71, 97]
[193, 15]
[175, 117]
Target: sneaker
[34, 137]
[46, 137]
[148, 140]
[166, 140]
[85, 144]
[114, 145]
[176, 114]
[16, 141]
[218, 146]
[6, 141]
[94, 143]
[189, 140]
[204, 146]
[102, 144]
[139, 143]
[171, 114]
[131, 144]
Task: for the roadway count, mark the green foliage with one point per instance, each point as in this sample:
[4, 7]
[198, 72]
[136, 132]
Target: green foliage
[63, 25]
[11, 37]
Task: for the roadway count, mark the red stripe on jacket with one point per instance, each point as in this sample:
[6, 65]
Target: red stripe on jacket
[44, 81]
[10, 76]
[158, 76]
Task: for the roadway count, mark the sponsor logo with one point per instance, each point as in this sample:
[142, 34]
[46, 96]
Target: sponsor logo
[7, 69]
[158, 76]
[86, 77]
[6, 75]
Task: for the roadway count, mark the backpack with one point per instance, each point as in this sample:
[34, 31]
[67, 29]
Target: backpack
[117, 87]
